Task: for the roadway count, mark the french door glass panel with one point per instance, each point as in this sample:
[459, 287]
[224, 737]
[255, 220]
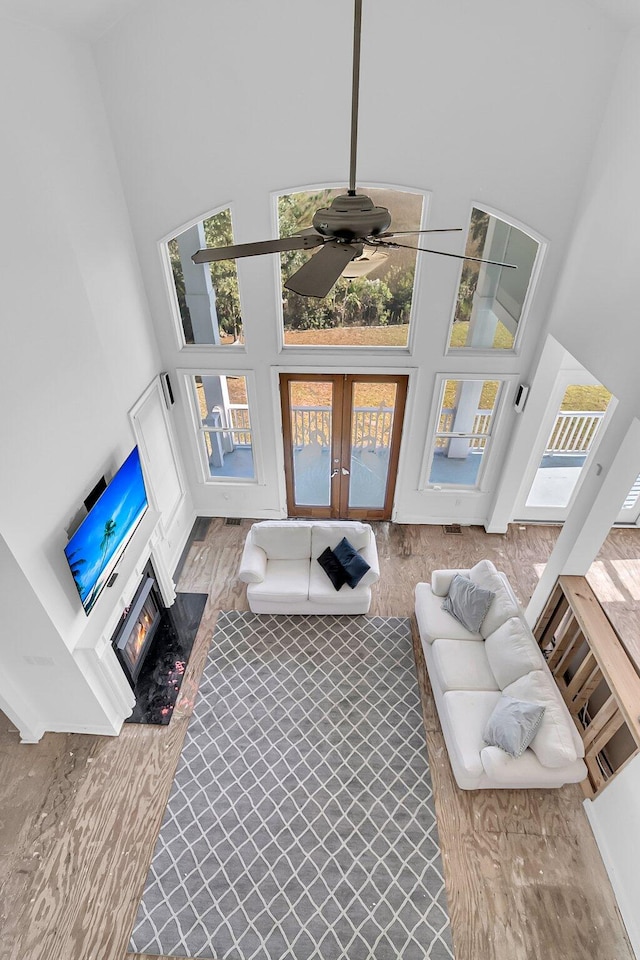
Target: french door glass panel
[465, 421]
[311, 405]
[372, 410]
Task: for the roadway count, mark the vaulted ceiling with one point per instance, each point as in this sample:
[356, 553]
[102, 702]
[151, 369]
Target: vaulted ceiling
[92, 18]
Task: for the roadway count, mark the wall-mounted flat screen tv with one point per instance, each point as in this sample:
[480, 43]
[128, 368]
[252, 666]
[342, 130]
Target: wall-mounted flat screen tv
[98, 543]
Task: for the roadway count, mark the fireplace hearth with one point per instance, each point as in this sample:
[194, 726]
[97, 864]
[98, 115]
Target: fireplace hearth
[153, 644]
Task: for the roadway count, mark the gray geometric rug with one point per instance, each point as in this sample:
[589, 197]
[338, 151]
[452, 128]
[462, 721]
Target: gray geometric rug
[301, 823]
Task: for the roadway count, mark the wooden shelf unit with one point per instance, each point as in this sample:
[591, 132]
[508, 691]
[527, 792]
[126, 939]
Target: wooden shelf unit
[582, 650]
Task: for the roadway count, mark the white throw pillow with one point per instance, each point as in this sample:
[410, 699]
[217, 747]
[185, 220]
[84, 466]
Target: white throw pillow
[512, 651]
[503, 606]
[553, 743]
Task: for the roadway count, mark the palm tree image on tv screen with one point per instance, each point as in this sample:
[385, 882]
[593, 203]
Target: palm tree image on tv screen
[97, 545]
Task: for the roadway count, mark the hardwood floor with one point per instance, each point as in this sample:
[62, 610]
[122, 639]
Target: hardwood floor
[79, 814]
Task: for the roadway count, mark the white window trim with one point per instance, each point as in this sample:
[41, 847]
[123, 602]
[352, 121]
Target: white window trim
[170, 289]
[417, 284]
[200, 459]
[505, 388]
[543, 245]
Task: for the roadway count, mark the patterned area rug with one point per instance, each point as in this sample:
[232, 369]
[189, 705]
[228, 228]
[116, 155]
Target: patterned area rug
[301, 823]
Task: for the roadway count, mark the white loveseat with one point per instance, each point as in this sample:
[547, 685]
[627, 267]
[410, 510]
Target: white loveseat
[279, 565]
[470, 671]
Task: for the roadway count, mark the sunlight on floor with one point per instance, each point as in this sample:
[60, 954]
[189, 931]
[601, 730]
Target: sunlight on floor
[628, 572]
[602, 584]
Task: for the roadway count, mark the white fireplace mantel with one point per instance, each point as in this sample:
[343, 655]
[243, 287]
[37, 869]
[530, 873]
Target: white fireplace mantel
[93, 650]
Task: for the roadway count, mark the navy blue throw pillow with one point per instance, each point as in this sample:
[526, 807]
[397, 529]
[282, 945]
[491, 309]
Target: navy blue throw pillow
[354, 564]
[333, 568]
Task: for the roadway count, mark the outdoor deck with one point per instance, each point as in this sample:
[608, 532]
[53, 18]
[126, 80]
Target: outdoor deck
[554, 482]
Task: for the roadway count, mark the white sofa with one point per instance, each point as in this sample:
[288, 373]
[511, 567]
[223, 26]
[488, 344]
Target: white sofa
[279, 565]
[470, 671]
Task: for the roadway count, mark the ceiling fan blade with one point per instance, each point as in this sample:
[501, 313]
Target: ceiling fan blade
[316, 277]
[212, 254]
[408, 233]
[441, 253]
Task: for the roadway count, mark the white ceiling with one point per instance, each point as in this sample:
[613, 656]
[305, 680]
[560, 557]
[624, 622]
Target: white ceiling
[92, 18]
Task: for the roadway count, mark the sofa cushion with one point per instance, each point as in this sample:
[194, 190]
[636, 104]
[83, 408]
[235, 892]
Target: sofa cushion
[512, 651]
[553, 744]
[434, 622]
[462, 665]
[503, 605]
[333, 568]
[353, 564]
[467, 712]
[327, 533]
[286, 580]
[513, 725]
[283, 539]
[467, 602]
[527, 771]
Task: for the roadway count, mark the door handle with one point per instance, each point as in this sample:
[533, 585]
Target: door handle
[334, 473]
[345, 472]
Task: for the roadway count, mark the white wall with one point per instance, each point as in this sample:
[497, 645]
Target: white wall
[42, 686]
[227, 102]
[615, 820]
[596, 318]
[77, 350]
[597, 303]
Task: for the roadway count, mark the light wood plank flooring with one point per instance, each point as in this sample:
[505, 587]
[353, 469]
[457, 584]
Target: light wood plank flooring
[79, 814]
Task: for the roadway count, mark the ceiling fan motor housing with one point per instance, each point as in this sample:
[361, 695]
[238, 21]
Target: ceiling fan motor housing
[350, 217]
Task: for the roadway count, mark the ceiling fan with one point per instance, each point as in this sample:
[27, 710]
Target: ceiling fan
[341, 230]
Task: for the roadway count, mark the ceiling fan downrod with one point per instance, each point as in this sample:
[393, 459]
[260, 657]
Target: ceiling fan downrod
[355, 92]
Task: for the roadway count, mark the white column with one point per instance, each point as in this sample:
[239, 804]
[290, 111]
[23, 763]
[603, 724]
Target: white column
[199, 294]
[467, 400]
[607, 481]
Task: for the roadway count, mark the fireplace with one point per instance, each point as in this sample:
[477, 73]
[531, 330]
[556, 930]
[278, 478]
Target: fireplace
[138, 625]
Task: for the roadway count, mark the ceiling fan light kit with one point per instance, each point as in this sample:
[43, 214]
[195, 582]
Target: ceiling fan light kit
[341, 230]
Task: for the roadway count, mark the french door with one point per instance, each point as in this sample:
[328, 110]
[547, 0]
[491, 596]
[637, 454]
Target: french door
[342, 443]
[553, 481]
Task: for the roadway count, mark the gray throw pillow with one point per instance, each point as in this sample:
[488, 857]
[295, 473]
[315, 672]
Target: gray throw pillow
[513, 725]
[467, 602]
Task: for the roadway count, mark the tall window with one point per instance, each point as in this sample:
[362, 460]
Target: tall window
[491, 299]
[463, 432]
[360, 310]
[225, 434]
[207, 293]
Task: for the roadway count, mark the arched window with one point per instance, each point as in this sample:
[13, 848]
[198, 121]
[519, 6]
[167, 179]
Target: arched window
[370, 305]
[206, 294]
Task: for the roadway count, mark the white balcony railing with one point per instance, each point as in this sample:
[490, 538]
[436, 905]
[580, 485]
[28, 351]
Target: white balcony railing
[573, 432]
[371, 425]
